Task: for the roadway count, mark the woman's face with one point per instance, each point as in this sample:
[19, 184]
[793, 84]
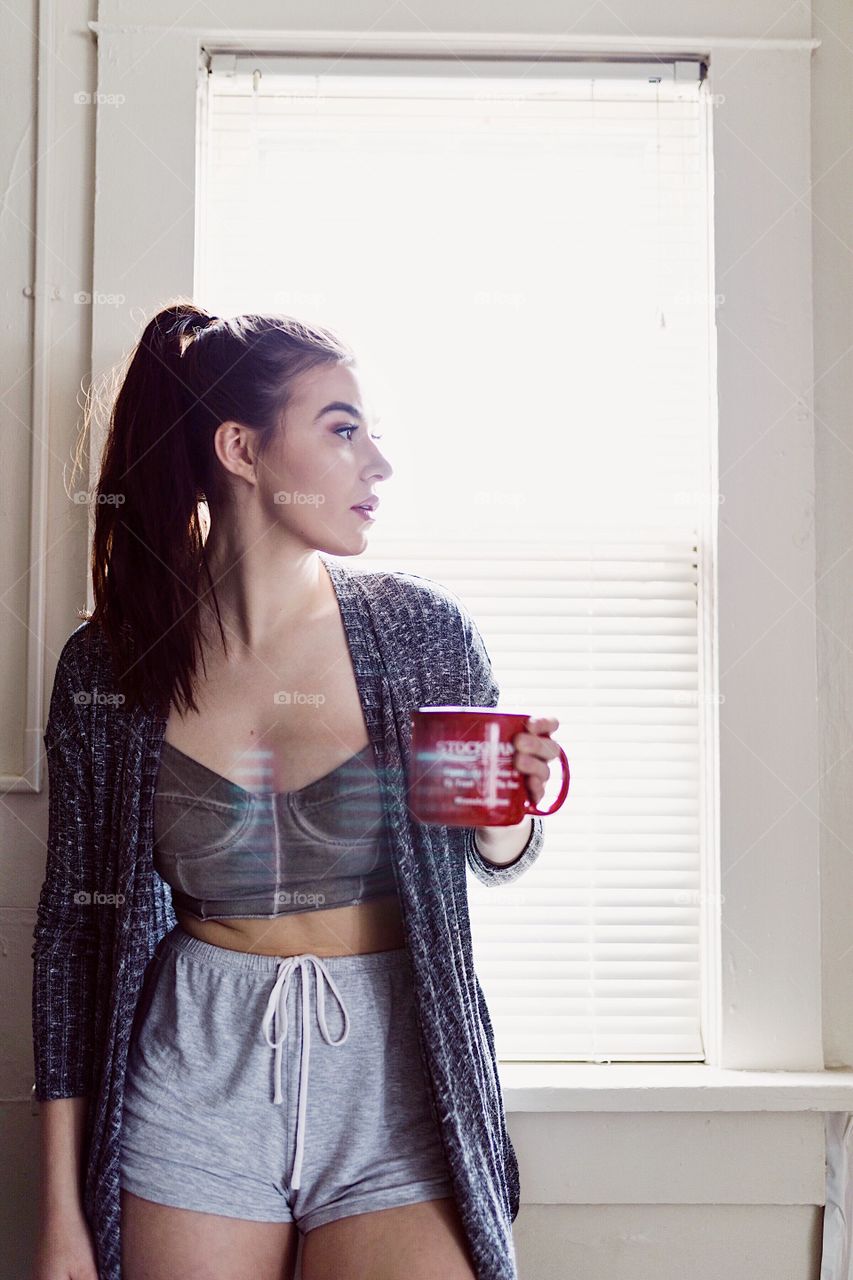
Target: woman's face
[323, 462]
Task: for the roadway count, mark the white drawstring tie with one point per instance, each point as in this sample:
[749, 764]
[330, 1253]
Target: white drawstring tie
[277, 1008]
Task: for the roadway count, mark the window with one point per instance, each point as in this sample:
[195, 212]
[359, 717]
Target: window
[522, 256]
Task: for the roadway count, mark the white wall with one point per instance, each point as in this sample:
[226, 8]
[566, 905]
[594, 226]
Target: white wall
[613, 1240]
[832, 204]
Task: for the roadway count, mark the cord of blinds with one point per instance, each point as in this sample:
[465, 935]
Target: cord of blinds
[573, 516]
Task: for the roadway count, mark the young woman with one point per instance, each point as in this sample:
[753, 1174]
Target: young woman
[231, 863]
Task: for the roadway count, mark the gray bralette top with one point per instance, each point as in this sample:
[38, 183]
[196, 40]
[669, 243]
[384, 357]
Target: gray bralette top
[226, 851]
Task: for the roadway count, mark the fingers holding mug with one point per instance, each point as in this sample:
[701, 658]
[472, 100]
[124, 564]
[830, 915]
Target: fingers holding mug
[535, 770]
[535, 749]
[543, 724]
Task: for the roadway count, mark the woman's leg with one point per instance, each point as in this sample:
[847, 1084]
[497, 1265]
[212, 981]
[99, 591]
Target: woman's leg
[376, 1201]
[410, 1242]
[202, 1156]
[159, 1242]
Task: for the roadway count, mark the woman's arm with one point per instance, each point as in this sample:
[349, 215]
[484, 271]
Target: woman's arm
[64, 975]
[65, 1246]
[496, 855]
[61, 1164]
[533, 752]
[65, 938]
[502, 846]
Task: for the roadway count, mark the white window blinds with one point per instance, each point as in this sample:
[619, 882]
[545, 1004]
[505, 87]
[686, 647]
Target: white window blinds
[521, 257]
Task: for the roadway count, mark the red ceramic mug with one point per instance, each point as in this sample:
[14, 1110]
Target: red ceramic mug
[462, 773]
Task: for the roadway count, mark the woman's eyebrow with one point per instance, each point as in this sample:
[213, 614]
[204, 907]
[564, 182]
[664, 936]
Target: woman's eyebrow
[341, 406]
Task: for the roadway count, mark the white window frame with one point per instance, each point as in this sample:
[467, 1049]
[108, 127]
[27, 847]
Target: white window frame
[764, 946]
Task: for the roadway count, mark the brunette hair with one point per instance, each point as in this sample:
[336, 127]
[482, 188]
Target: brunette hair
[189, 372]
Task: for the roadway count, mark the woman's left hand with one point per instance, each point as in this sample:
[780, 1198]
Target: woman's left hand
[534, 749]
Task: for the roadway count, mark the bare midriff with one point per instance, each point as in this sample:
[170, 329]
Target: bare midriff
[376, 925]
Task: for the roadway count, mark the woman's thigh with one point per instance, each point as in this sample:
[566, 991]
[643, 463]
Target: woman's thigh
[159, 1242]
[409, 1242]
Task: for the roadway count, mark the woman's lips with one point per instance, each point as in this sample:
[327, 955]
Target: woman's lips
[364, 513]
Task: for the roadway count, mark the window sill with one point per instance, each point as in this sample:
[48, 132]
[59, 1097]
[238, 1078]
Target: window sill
[628, 1086]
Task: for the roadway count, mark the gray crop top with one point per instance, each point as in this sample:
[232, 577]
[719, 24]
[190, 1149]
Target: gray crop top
[226, 851]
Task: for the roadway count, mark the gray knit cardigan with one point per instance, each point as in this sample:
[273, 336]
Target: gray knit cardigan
[412, 643]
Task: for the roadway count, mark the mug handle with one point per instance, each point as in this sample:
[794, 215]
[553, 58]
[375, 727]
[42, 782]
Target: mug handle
[530, 807]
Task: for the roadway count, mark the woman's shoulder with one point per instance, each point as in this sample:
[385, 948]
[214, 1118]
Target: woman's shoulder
[407, 602]
[84, 648]
[76, 680]
[396, 587]
[85, 667]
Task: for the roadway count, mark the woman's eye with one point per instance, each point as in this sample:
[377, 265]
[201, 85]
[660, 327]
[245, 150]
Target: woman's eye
[354, 427]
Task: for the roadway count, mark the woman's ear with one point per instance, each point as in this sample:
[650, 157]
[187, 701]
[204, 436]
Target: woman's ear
[235, 445]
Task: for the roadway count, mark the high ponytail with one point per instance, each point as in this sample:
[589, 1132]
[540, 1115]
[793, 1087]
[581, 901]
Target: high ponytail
[189, 372]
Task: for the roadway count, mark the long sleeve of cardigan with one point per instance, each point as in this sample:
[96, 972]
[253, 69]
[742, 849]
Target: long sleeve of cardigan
[65, 938]
[484, 691]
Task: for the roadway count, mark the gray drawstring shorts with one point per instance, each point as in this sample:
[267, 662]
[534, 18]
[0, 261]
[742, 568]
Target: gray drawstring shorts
[278, 1089]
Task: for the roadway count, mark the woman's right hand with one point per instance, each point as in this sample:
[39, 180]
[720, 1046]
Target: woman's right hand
[65, 1249]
